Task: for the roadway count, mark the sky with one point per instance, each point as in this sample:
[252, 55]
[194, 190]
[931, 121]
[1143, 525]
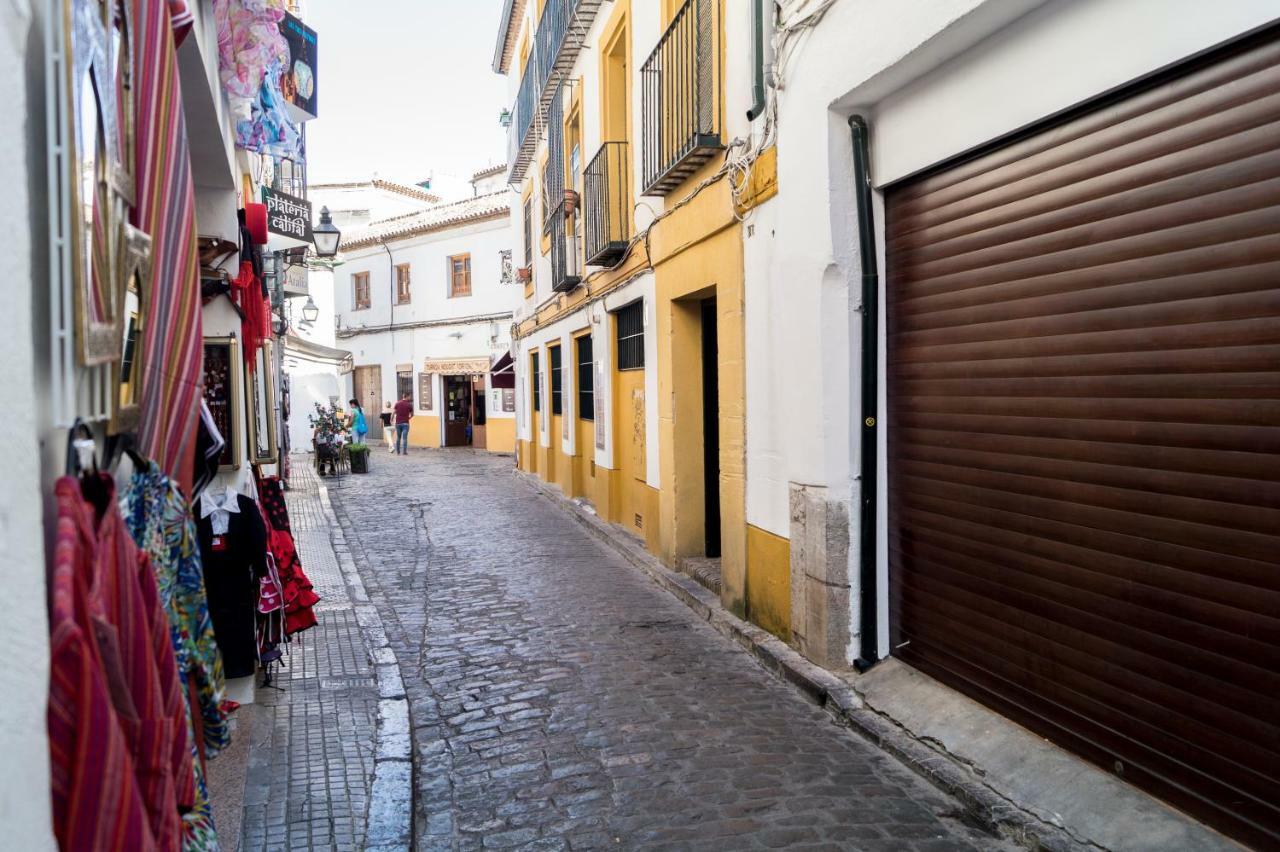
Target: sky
[405, 88]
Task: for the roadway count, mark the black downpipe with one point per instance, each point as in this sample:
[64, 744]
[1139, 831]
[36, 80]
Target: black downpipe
[869, 592]
[757, 70]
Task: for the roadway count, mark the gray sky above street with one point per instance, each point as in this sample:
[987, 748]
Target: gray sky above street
[405, 89]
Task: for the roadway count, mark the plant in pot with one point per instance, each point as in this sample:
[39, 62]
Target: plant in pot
[359, 458]
[570, 200]
[524, 274]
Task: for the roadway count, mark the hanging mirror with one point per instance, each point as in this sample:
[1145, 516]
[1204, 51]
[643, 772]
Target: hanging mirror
[99, 184]
[137, 285]
[263, 446]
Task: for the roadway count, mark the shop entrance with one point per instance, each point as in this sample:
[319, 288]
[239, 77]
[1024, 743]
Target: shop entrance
[458, 411]
[478, 438]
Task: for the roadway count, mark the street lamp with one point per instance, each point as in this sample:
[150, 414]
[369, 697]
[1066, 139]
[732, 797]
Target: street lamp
[310, 313]
[325, 236]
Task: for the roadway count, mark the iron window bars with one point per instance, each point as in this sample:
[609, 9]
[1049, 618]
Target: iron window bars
[629, 322]
[586, 379]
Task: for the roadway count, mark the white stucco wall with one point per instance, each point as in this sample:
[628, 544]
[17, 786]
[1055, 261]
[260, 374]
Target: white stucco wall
[934, 79]
[24, 788]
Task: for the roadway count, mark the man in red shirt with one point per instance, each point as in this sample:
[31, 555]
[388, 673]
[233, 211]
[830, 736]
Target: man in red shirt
[404, 412]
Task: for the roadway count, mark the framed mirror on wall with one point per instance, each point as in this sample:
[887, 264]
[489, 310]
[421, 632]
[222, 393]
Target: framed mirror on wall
[99, 185]
[128, 373]
[223, 393]
[263, 445]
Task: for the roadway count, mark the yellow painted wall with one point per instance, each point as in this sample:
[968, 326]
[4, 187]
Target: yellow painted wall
[562, 466]
[526, 455]
[769, 581]
[424, 431]
[501, 434]
[586, 476]
[629, 498]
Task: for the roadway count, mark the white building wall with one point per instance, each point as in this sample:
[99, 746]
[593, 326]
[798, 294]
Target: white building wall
[934, 79]
[25, 810]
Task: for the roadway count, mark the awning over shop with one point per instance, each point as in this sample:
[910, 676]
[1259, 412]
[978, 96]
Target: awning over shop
[316, 353]
[456, 366]
[503, 372]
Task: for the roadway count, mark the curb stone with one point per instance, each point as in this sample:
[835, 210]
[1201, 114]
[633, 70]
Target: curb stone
[390, 817]
[982, 804]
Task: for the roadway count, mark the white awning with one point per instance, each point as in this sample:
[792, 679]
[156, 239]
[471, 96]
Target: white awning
[316, 353]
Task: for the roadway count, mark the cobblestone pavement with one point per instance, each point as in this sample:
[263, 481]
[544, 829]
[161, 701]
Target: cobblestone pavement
[311, 762]
[562, 701]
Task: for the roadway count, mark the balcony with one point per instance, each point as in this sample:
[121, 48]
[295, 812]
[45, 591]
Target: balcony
[680, 83]
[564, 251]
[606, 205]
[557, 41]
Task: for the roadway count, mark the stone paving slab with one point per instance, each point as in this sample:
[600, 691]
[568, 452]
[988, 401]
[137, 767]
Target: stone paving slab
[313, 752]
[561, 700]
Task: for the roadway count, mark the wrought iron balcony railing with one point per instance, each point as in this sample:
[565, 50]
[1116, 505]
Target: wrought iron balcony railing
[558, 39]
[680, 84]
[606, 205]
[564, 251]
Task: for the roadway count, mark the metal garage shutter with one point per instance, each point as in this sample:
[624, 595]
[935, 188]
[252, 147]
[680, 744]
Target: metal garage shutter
[1084, 434]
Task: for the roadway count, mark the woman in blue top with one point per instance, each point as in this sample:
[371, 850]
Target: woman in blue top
[357, 422]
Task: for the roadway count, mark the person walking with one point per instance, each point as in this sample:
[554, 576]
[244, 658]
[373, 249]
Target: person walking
[404, 413]
[388, 426]
[358, 425]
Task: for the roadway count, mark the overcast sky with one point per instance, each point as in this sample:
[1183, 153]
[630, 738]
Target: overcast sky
[405, 87]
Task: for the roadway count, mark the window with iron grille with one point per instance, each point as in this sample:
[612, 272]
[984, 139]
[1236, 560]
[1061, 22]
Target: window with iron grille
[360, 290]
[557, 385]
[536, 380]
[404, 384]
[402, 284]
[629, 322]
[528, 232]
[586, 380]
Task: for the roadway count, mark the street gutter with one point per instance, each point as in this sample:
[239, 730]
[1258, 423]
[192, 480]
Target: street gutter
[390, 818]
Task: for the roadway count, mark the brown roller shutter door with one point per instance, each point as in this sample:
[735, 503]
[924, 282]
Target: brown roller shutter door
[1084, 434]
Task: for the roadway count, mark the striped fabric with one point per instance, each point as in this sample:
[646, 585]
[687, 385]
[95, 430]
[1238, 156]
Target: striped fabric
[96, 800]
[171, 331]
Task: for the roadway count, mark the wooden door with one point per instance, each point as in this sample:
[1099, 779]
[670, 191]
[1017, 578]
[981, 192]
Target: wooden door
[367, 387]
[1084, 435]
[457, 410]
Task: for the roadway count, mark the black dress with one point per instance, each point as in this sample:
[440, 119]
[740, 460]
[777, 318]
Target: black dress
[231, 572]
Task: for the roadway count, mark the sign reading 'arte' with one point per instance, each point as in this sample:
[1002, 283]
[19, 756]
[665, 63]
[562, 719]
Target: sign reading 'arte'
[288, 218]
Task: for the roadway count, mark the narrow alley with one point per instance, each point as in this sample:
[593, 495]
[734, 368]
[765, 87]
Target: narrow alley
[560, 700]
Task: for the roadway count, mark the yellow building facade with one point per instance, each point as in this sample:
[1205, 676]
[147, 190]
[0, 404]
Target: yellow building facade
[635, 166]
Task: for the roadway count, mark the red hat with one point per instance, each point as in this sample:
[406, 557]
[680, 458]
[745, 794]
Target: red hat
[255, 219]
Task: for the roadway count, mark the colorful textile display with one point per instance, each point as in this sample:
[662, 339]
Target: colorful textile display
[255, 310]
[130, 636]
[161, 524]
[233, 551]
[299, 595]
[165, 209]
[252, 53]
[96, 801]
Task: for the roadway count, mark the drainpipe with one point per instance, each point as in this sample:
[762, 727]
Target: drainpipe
[869, 593]
[758, 59]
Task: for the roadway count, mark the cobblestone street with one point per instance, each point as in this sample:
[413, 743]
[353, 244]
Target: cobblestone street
[561, 700]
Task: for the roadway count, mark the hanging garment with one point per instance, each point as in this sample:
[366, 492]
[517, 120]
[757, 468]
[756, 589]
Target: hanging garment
[233, 548]
[246, 289]
[160, 522]
[299, 596]
[96, 800]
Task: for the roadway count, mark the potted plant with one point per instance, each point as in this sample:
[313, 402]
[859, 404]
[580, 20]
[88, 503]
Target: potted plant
[524, 274]
[327, 427]
[570, 201]
[359, 458]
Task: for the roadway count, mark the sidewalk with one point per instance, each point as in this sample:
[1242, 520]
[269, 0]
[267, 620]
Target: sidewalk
[312, 761]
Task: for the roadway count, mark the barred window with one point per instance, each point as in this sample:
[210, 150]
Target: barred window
[536, 378]
[360, 287]
[557, 386]
[528, 233]
[586, 380]
[629, 322]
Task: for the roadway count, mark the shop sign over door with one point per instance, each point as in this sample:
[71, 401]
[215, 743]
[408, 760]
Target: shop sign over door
[288, 219]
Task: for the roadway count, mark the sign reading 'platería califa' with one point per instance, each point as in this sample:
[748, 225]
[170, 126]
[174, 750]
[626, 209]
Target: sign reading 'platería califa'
[288, 218]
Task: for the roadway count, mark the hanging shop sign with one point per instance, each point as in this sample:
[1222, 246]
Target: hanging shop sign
[298, 78]
[295, 281]
[288, 220]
